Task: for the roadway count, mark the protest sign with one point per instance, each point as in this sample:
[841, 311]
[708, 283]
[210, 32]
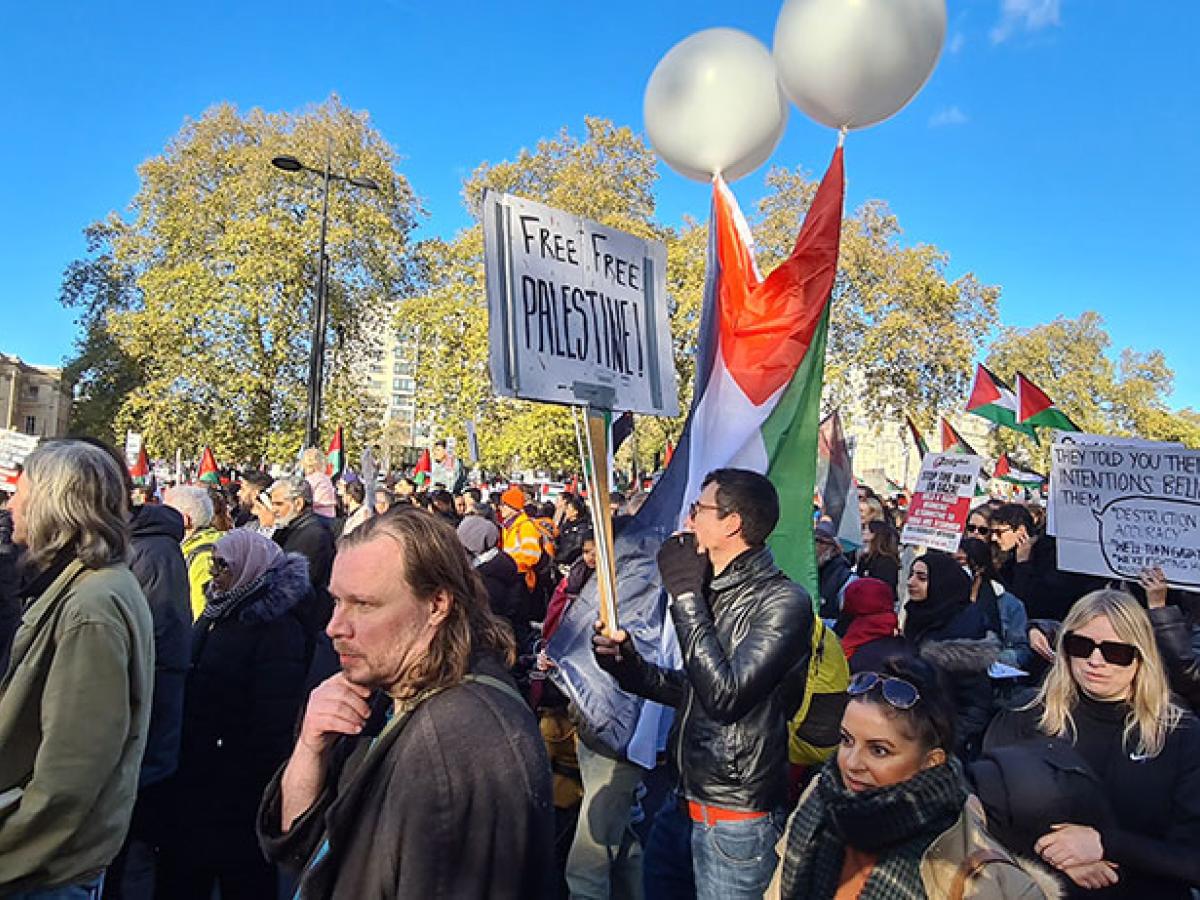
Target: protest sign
[1078, 438]
[14, 447]
[133, 447]
[939, 508]
[577, 311]
[1120, 508]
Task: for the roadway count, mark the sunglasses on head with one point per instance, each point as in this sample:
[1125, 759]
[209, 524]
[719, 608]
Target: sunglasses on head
[899, 693]
[1115, 652]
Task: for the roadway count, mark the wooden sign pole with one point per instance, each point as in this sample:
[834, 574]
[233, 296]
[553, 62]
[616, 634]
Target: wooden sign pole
[597, 465]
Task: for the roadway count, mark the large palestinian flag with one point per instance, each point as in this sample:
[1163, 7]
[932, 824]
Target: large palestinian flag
[759, 373]
[992, 399]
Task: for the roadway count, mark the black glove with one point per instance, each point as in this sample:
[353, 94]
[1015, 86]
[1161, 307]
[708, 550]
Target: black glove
[620, 661]
[682, 566]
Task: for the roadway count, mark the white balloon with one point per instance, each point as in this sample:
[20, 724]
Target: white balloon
[713, 105]
[852, 63]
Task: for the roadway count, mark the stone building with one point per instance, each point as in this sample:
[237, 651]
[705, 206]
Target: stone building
[33, 399]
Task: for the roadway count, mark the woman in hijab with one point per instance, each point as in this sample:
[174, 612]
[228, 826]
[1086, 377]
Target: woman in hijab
[244, 690]
[945, 628]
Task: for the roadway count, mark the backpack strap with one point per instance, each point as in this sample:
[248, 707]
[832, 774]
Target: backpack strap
[497, 684]
[971, 867]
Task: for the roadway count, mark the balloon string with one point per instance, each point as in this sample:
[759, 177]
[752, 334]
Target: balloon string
[842, 136]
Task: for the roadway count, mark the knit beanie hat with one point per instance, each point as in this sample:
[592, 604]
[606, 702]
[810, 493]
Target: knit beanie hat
[514, 497]
[477, 534]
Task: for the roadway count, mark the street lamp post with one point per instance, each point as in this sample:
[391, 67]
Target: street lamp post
[316, 352]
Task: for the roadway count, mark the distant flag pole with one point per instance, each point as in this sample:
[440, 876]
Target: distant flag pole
[1036, 408]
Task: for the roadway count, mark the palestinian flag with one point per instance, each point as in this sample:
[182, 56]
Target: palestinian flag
[208, 468]
[992, 399]
[668, 454]
[1006, 471]
[1034, 407]
[140, 470]
[759, 372]
[423, 468]
[335, 459]
[953, 442]
[915, 432]
[835, 481]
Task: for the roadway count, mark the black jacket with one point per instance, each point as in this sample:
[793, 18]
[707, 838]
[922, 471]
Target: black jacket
[1179, 643]
[746, 645]
[244, 691]
[963, 649]
[1046, 591]
[310, 536]
[1155, 802]
[569, 545]
[832, 576]
[157, 563]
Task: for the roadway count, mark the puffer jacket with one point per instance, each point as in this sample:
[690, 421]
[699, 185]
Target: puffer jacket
[745, 646]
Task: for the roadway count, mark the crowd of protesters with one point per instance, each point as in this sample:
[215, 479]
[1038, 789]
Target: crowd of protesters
[296, 687]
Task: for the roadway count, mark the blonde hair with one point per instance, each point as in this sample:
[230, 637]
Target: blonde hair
[874, 510]
[312, 460]
[77, 502]
[1152, 715]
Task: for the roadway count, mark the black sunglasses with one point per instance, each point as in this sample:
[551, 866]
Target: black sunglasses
[216, 565]
[1114, 652]
[978, 529]
[896, 691]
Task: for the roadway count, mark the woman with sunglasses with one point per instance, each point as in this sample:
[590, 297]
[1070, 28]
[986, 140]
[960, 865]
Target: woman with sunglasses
[1107, 694]
[945, 628]
[890, 815]
[243, 693]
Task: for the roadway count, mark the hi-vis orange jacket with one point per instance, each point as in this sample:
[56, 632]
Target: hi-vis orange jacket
[523, 542]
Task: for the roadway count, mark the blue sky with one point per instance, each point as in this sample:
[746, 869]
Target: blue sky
[1053, 152]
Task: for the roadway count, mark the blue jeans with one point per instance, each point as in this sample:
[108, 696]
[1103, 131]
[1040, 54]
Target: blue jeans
[667, 859]
[87, 890]
[735, 859]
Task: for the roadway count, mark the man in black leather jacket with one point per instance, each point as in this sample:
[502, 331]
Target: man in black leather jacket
[745, 633]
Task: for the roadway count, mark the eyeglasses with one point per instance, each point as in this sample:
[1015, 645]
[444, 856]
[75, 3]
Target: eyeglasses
[1116, 653]
[996, 532]
[896, 691]
[978, 529]
[697, 506]
[216, 566]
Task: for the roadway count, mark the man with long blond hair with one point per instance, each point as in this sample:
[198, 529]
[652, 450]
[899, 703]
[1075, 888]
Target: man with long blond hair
[419, 770]
[1107, 695]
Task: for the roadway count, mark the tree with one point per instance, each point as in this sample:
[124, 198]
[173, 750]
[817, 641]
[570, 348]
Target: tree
[103, 375]
[1072, 361]
[222, 249]
[902, 335]
[606, 177]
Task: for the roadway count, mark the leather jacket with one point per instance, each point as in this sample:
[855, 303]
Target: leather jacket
[746, 644]
[1179, 644]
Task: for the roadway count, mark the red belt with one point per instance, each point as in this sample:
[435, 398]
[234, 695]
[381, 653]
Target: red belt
[709, 815]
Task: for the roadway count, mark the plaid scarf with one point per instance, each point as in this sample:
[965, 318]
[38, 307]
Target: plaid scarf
[896, 823]
[222, 603]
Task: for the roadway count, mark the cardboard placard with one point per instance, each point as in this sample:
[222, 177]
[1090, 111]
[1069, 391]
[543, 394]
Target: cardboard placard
[938, 511]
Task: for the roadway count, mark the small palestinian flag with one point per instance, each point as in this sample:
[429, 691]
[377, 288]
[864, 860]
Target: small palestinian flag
[140, 470]
[1006, 471]
[992, 399]
[1034, 407]
[915, 432]
[208, 468]
[423, 468]
[335, 460]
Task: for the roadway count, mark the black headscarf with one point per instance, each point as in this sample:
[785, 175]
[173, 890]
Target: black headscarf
[949, 593]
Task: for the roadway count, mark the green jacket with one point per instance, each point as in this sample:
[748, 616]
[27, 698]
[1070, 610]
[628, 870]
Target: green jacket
[74, 712]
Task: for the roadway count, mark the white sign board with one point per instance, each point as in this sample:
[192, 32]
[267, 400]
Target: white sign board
[14, 447]
[577, 311]
[937, 513]
[1121, 508]
[1082, 439]
[133, 447]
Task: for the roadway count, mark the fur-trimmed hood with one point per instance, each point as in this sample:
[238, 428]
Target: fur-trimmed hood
[282, 586]
[963, 656]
